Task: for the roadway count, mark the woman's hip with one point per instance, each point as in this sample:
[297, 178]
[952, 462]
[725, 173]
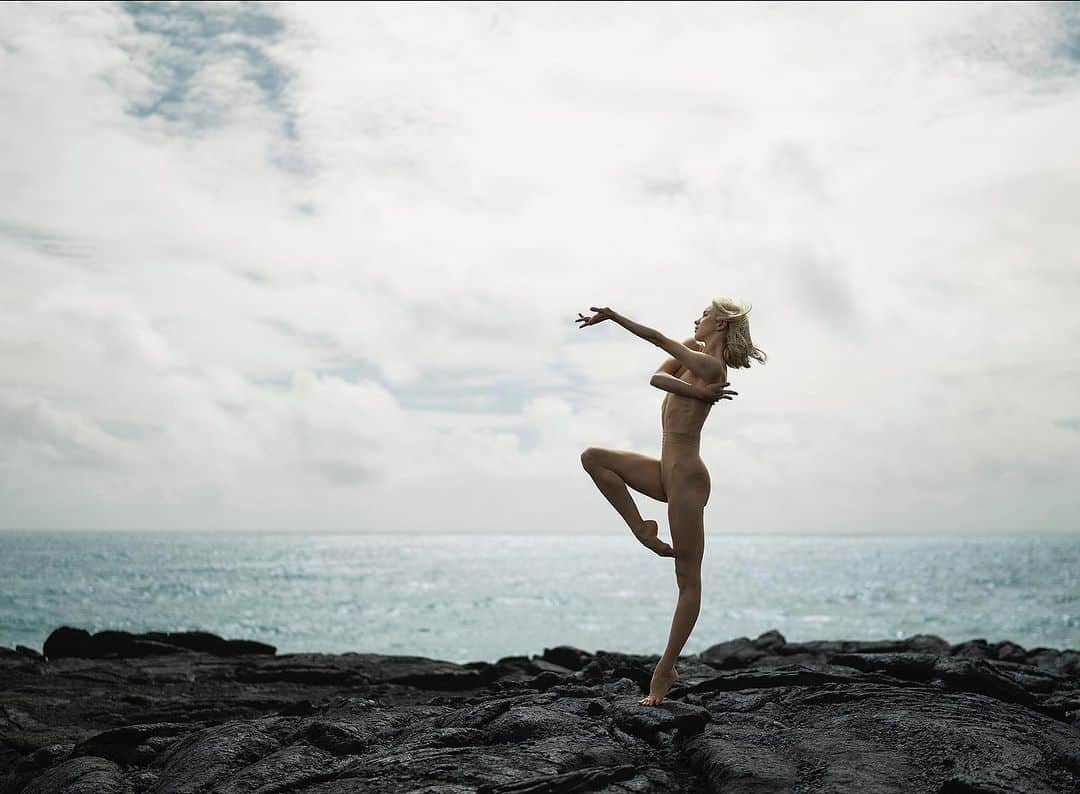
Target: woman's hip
[679, 472]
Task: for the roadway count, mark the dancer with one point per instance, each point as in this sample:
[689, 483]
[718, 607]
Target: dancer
[696, 377]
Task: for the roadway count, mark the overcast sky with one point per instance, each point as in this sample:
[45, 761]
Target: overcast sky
[303, 267]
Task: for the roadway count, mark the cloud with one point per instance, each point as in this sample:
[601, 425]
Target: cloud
[301, 266]
[823, 294]
[39, 434]
[201, 62]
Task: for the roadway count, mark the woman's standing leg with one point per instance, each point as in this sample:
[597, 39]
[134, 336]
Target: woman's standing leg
[686, 512]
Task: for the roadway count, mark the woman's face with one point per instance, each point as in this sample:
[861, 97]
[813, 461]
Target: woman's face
[706, 325]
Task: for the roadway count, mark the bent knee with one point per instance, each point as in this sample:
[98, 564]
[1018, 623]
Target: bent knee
[590, 458]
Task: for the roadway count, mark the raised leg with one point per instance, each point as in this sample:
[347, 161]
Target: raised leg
[613, 471]
[686, 512]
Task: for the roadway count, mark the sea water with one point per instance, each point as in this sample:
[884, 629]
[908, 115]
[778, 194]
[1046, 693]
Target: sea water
[481, 597]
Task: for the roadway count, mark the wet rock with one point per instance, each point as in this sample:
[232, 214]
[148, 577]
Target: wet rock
[928, 643]
[526, 721]
[544, 681]
[739, 652]
[771, 641]
[977, 648]
[906, 666]
[975, 675]
[592, 672]
[747, 715]
[455, 680]
[566, 656]
[209, 758]
[731, 757]
[200, 641]
[591, 779]
[33, 765]
[1009, 651]
[66, 642]
[112, 643]
[334, 736]
[132, 744]
[543, 665]
[300, 673]
[243, 647]
[1065, 663]
[88, 775]
[869, 737]
[647, 723]
[28, 652]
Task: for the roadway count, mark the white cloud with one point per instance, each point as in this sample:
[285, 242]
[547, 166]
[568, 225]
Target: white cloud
[316, 266]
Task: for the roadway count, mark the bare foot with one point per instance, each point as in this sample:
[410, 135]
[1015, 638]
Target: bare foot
[646, 533]
[659, 686]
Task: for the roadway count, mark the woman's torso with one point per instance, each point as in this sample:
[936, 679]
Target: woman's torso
[681, 420]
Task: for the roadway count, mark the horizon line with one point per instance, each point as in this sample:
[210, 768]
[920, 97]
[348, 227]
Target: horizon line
[422, 532]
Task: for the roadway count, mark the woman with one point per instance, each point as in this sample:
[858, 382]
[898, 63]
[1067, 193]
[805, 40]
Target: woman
[696, 376]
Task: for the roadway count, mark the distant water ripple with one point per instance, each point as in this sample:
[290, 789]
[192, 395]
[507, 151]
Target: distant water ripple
[481, 597]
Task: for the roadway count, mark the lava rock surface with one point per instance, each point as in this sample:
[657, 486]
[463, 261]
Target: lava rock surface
[121, 713]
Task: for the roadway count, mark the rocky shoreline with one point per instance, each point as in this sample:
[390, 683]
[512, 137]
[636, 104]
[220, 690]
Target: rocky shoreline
[193, 712]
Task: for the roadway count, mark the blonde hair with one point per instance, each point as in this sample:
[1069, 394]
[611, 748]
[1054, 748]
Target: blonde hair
[739, 348]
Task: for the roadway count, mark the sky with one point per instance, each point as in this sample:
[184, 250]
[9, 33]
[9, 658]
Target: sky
[305, 267]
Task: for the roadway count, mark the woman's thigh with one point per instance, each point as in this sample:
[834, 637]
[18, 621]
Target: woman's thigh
[687, 474]
[640, 472]
[687, 495]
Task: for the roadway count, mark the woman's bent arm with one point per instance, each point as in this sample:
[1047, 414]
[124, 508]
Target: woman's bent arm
[662, 380]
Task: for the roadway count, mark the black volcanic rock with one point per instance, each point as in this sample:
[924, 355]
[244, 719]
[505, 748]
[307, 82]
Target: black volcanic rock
[67, 642]
[977, 649]
[567, 656]
[22, 649]
[87, 774]
[189, 712]
[738, 652]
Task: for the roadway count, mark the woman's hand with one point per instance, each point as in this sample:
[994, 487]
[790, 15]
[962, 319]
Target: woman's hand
[602, 313]
[716, 391]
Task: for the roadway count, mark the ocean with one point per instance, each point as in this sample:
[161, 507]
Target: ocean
[481, 597]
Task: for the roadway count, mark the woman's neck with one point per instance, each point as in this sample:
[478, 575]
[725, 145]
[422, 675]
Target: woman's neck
[716, 345]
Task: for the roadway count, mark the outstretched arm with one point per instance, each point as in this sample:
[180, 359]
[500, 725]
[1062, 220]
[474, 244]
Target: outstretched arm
[646, 333]
[706, 367]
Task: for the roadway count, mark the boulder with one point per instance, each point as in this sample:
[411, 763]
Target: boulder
[739, 652]
[30, 653]
[67, 642]
[567, 656]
